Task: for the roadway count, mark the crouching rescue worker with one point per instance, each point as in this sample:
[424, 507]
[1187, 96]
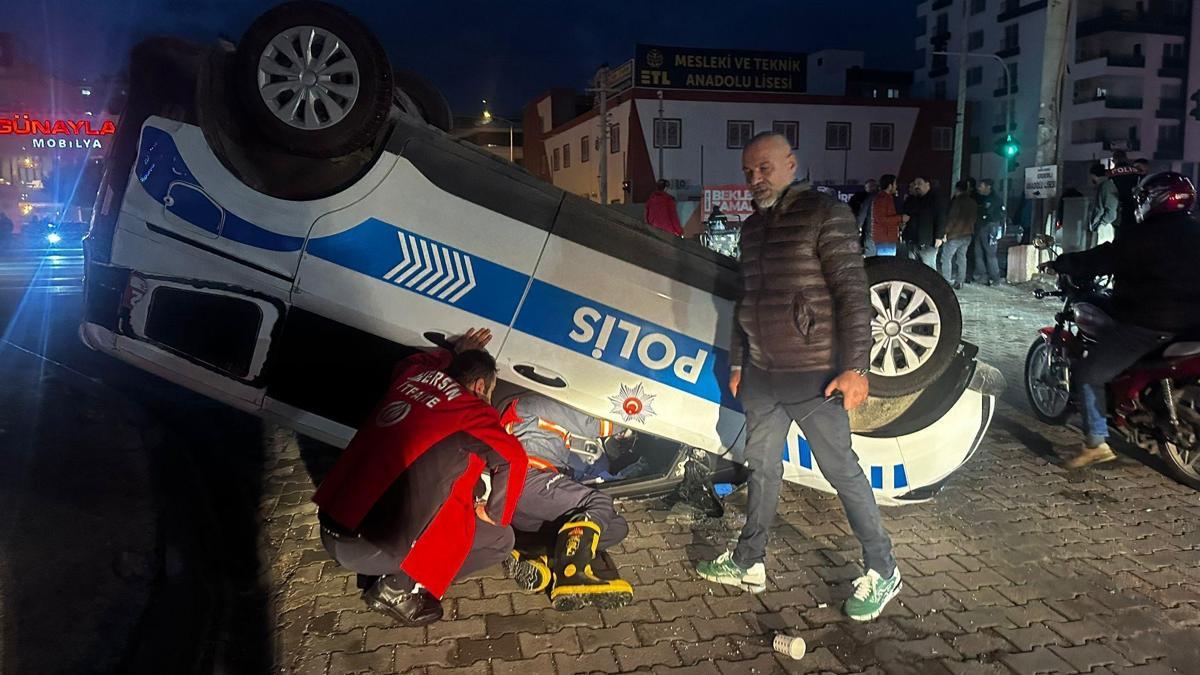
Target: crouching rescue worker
[403, 503]
[586, 520]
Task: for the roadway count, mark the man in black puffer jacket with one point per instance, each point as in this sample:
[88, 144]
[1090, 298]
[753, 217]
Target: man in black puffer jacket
[802, 334]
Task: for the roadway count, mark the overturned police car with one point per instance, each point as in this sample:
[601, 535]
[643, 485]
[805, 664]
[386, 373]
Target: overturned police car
[282, 220]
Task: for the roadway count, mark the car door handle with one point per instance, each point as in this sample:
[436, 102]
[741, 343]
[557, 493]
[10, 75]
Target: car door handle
[438, 338]
[548, 380]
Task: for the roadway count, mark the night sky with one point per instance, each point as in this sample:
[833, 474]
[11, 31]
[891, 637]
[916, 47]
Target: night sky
[504, 52]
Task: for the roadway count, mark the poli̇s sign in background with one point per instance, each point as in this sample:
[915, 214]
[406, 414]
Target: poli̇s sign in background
[720, 69]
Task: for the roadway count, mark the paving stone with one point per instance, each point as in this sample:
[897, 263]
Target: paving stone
[564, 640]
[591, 639]
[458, 628]
[976, 644]
[679, 629]
[506, 648]
[351, 641]
[531, 622]
[468, 607]
[1040, 660]
[694, 608]
[601, 661]
[1089, 656]
[1025, 639]
[727, 626]
[818, 660]
[379, 661]
[938, 601]
[393, 635]
[975, 668]
[655, 657]
[535, 666]
[705, 650]
[637, 612]
[765, 663]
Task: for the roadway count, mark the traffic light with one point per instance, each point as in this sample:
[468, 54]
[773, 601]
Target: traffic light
[1195, 97]
[1008, 147]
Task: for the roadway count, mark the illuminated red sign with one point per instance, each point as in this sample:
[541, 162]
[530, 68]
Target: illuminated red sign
[24, 125]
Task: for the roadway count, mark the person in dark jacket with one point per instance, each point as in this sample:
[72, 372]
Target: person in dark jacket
[661, 211]
[1155, 296]
[988, 229]
[1104, 213]
[800, 351]
[870, 188]
[404, 506]
[553, 495]
[860, 205]
[925, 230]
[1125, 177]
[960, 227]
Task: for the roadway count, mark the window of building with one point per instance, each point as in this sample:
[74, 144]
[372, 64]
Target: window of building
[893, 93]
[1011, 5]
[943, 138]
[1173, 51]
[585, 150]
[556, 163]
[1012, 35]
[668, 133]
[978, 6]
[943, 23]
[974, 75]
[567, 156]
[881, 136]
[939, 90]
[1172, 92]
[614, 139]
[738, 133]
[790, 130]
[922, 27]
[975, 40]
[597, 144]
[837, 135]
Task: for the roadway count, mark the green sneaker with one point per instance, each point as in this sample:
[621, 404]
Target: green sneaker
[724, 571]
[871, 594]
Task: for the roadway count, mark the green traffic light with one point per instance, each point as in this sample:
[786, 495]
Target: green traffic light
[1011, 147]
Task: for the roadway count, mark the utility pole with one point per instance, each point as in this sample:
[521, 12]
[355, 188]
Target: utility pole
[1008, 115]
[1054, 62]
[603, 90]
[658, 129]
[961, 109]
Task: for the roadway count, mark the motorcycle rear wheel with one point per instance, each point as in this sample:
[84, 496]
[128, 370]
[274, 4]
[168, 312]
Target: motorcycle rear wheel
[1050, 400]
[1182, 463]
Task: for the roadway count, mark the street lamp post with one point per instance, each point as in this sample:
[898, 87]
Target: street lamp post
[1008, 115]
[488, 118]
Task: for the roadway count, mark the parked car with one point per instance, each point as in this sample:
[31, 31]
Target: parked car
[281, 221]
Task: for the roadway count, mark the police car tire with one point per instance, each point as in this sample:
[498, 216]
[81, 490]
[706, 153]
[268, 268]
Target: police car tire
[434, 107]
[367, 114]
[883, 269]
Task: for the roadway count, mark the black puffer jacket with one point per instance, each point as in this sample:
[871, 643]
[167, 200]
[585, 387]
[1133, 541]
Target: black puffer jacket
[804, 302]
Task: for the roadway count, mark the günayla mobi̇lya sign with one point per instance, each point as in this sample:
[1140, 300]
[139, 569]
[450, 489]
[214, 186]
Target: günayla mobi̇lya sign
[58, 133]
[720, 69]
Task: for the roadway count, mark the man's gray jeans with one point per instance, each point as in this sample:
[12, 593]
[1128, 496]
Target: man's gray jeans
[827, 427]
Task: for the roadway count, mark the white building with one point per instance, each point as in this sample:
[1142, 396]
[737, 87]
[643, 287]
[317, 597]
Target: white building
[1130, 64]
[694, 137]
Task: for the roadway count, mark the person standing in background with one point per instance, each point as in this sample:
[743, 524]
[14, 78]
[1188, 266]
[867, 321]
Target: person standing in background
[926, 228]
[661, 211]
[885, 221]
[960, 226]
[988, 229]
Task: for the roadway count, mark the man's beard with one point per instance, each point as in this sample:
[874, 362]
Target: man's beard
[767, 201]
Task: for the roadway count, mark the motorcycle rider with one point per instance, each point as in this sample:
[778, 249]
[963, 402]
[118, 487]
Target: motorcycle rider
[1155, 296]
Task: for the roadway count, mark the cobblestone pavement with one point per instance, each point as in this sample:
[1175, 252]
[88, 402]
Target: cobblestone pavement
[1018, 566]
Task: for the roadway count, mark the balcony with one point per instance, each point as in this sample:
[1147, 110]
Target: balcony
[1169, 149]
[1176, 68]
[1003, 91]
[1170, 109]
[999, 128]
[1009, 51]
[1088, 65]
[941, 4]
[1021, 10]
[1112, 102]
[1132, 22]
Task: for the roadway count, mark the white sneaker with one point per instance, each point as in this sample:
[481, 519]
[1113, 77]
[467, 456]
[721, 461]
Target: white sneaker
[724, 570]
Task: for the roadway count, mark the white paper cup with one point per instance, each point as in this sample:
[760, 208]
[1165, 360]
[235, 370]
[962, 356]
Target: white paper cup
[791, 646]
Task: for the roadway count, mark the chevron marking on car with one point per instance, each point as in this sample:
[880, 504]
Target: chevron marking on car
[419, 257]
[797, 451]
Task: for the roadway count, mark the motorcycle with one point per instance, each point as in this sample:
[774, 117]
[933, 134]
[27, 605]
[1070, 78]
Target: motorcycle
[1154, 404]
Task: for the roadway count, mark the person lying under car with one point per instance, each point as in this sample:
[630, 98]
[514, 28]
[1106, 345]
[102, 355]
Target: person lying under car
[585, 519]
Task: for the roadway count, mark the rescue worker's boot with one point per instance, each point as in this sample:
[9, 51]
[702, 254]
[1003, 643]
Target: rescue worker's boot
[574, 585]
[530, 572]
[399, 598]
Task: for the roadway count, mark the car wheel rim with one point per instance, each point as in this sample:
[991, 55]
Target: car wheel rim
[1045, 390]
[905, 330]
[308, 78]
